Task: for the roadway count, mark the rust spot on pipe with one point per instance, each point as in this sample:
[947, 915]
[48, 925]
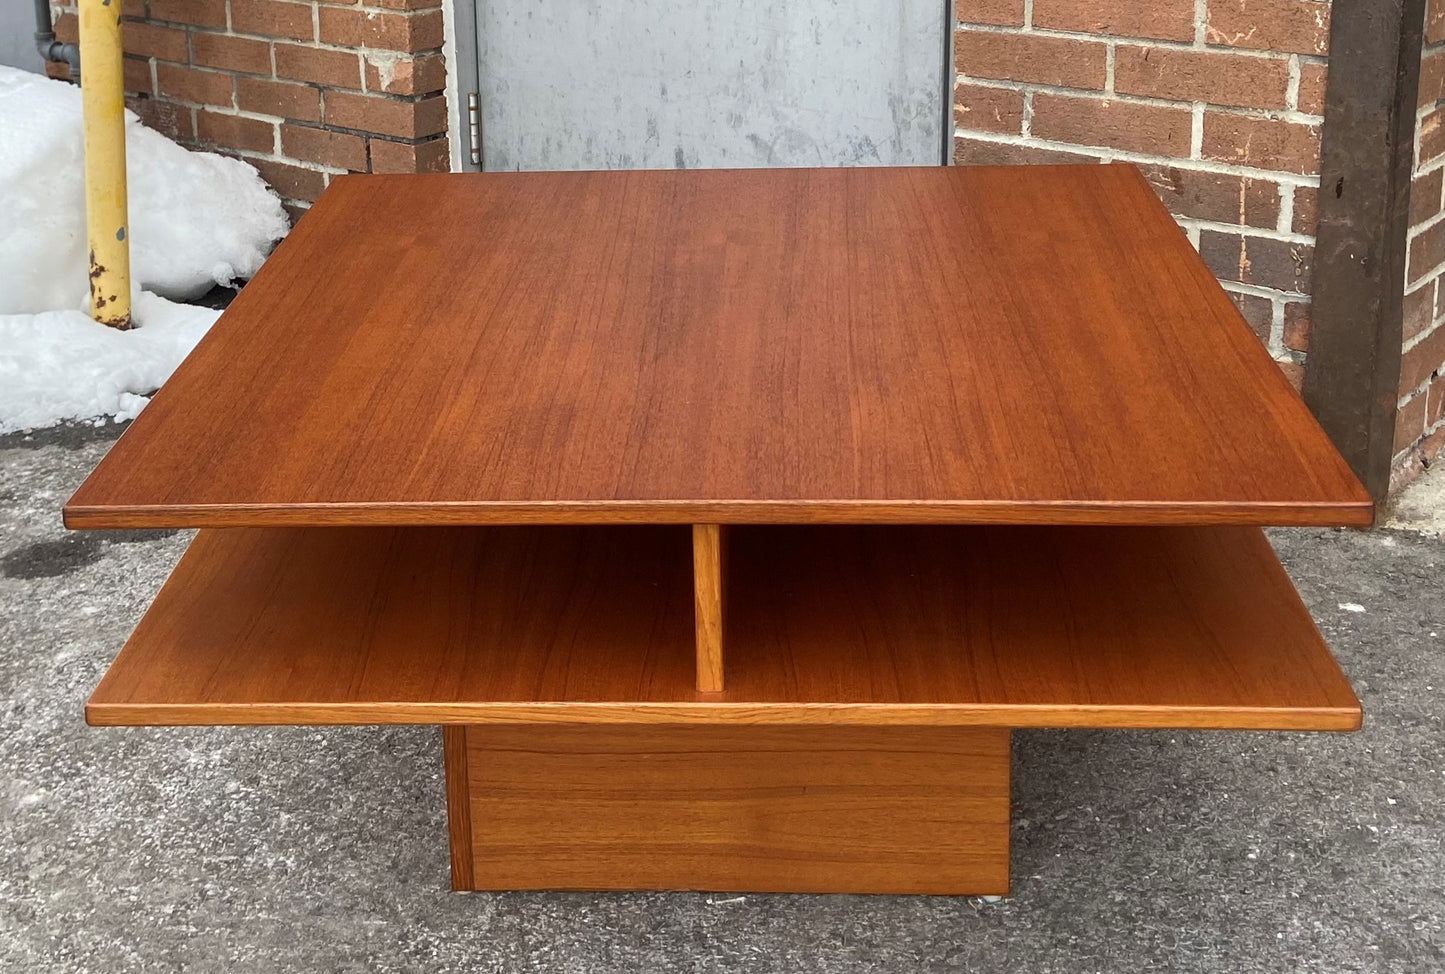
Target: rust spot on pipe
[98, 300]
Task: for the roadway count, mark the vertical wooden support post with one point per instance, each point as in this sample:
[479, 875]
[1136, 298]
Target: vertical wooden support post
[708, 603]
[459, 806]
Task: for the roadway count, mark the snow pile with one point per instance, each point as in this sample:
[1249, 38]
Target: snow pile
[59, 365]
[196, 219]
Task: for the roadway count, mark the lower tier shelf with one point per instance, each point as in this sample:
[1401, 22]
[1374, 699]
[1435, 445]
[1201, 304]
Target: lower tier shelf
[990, 626]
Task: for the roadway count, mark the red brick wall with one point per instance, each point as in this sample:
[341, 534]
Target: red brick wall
[1420, 421]
[301, 90]
[1218, 101]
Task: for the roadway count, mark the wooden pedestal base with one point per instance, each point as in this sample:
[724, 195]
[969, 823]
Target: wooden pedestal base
[735, 808]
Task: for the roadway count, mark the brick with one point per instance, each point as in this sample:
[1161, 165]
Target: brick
[1427, 251]
[1404, 469]
[405, 4]
[242, 54]
[1257, 312]
[1419, 310]
[1264, 143]
[1306, 210]
[1169, 20]
[424, 32]
[1261, 261]
[407, 33]
[1432, 77]
[387, 116]
[337, 69]
[1297, 326]
[1425, 196]
[235, 131]
[1435, 22]
[1116, 124]
[66, 28]
[338, 150]
[395, 75]
[1209, 76]
[1312, 78]
[1410, 423]
[1435, 411]
[433, 156]
[171, 120]
[273, 18]
[133, 9]
[979, 152]
[980, 109]
[150, 40]
[280, 98]
[1290, 26]
[137, 75]
[1214, 196]
[291, 182]
[1431, 136]
[1431, 446]
[1422, 361]
[197, 13]
[295, 211]
[1025, 58]
[339, 26]
[193, 84]
[997, 13]
[1295, 374]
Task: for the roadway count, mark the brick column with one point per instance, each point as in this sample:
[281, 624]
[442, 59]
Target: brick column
[1420, 420]
[301, 90]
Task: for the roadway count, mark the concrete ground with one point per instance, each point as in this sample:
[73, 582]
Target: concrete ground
[302, 849]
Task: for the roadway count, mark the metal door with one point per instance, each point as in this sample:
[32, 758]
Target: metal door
[651, 84]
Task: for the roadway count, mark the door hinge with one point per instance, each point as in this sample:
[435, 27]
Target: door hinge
[474, 126]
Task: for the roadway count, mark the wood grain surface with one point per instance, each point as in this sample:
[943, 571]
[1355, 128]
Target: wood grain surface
[459, 805]
[1005, 626]
[750, 809]
[709, 603]
[1007, 345]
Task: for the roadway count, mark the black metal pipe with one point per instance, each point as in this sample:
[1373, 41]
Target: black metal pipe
[50, 49]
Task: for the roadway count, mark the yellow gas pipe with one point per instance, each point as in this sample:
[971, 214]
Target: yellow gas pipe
[102, 89]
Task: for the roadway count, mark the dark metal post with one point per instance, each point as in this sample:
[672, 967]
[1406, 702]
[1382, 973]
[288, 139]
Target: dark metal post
[1352, 371]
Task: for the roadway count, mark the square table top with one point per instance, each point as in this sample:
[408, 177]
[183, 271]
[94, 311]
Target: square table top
[1004, 345]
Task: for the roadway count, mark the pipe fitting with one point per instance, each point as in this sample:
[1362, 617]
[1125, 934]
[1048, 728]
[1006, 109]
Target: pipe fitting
[50, 49]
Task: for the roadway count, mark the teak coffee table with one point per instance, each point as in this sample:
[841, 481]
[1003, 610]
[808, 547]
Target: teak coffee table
[727, 521]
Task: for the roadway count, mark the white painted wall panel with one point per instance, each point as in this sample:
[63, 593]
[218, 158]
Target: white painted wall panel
[646, 84]
[17, 36]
